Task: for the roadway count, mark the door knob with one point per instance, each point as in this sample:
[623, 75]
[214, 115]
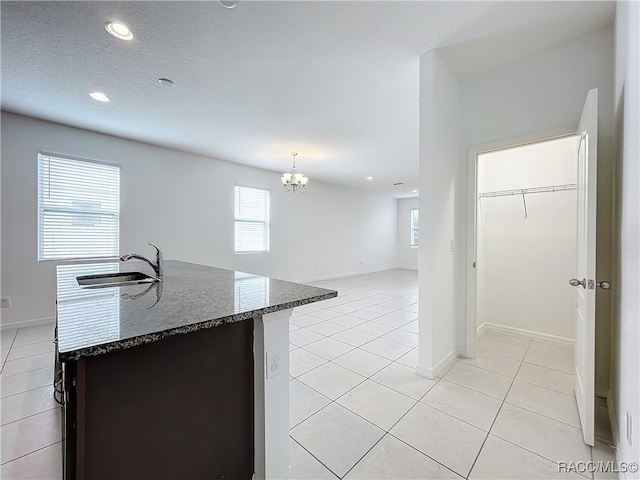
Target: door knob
[604, 285]
[574, 282]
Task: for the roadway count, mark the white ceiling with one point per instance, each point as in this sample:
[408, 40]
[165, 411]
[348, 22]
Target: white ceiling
[336, 82]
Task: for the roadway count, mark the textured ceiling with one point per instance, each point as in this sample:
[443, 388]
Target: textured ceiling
[335, 81]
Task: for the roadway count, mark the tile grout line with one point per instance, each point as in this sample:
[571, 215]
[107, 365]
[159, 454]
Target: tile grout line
[27, 391]
[29, 416]
[504, 400]
[319, 461]
[27, 372]
[537, 413]
[9, 352]
[360, 383]
[31, 453]
[388, 432]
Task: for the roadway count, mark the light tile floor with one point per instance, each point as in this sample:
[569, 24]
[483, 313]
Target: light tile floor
[358, 409]
[29, 416]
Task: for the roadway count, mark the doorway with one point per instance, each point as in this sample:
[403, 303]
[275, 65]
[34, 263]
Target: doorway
[526, 239]
[522, 226]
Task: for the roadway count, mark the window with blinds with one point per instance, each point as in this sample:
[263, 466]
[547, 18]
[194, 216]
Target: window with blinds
[78, 209]
[414, 227]
[251, 220]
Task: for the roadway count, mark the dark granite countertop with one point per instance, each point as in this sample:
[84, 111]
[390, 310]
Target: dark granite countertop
[93, 321]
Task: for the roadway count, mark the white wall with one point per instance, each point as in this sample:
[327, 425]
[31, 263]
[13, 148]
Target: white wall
[407, 255]
[523, 264]
[625, 365]
[536, 93]
[184, 204]
[439, 123]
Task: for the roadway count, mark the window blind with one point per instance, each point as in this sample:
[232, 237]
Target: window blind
[78, 209]
[100, 307]
[414, 227]
[251, 220]
[251, 291]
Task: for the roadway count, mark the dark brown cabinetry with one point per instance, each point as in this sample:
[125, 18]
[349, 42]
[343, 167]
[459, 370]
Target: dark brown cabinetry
[177, 408]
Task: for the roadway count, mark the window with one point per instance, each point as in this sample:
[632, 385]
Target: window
[78, 209]
[414, 227]
[252, 220]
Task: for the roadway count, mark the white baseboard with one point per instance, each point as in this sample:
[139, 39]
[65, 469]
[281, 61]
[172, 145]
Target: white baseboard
[439, 368]
[601, 391]
[343, 275]
[567, 342]
[27, 323]
[615, 433]
[613, 418]
[481, 330]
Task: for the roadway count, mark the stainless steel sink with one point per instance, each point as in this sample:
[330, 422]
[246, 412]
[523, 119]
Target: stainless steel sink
[115, 279]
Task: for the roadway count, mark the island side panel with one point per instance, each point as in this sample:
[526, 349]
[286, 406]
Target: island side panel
[272, 396]
[178, 408]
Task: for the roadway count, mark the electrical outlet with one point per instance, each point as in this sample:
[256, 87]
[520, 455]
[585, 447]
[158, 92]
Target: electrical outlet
[5, 302]
[274, 363]
[629, 427]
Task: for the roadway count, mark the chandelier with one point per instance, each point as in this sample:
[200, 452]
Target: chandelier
[294, 181]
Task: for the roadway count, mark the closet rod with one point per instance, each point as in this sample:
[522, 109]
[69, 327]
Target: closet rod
[525, 191]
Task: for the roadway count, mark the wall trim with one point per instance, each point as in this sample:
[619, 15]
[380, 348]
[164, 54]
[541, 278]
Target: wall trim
[613, 419]
[482, 329]
[351, 274]
[439, 368]
[27, 323]
[486, 326]
[601, 391]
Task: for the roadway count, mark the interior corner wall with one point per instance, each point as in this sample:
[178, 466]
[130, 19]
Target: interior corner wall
[439, 134]
[538, 93]
[184, 204]
[407, 255]
[625, 365]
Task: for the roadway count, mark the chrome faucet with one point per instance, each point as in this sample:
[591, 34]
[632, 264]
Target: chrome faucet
[157, 267]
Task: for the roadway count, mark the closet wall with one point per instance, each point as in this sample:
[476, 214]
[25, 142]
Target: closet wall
[524, 264]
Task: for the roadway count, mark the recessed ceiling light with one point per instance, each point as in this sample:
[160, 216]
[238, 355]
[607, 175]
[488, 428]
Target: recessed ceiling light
[369, 178]
[414, 191]
[99, 96]
[227, 3]
[118, 30]
[165, 82]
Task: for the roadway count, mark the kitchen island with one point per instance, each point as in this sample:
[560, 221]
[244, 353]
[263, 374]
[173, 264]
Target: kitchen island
[182, 378]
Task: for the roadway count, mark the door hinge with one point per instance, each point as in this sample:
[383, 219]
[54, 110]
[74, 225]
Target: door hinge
[474, 264]
[591, 284]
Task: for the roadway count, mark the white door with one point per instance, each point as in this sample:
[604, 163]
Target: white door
[585, 282]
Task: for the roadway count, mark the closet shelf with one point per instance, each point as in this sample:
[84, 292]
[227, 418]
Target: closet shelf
[526, 191]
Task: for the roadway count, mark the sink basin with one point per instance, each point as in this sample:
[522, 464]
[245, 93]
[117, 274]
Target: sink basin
[115, 279]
